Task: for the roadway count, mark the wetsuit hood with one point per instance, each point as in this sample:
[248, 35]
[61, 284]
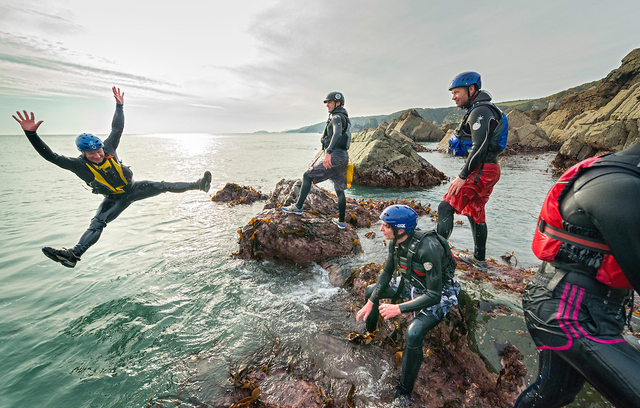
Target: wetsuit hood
[341, 110]
[481, 96]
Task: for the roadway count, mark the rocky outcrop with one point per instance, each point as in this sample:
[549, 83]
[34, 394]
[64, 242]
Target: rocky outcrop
[234, 194]
[386, 158]
[601, 119]
[312, 236]
[411, 124]
[524, 132]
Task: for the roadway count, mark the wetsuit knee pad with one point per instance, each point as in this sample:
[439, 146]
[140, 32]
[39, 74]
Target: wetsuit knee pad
[445, 219]
[306, 178]
[415, 334]
[97, 224]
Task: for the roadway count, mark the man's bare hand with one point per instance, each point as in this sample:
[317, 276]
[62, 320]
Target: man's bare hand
[26, 122]
[118, 95]
[326, 162]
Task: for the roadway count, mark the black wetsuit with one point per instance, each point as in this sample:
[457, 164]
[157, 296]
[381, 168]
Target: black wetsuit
[481, 170]
[113, 204]
[334, 142]
[577, 321]
[430, 287]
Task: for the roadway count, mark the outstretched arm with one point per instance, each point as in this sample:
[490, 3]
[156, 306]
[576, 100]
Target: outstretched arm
[118, 95]
[27, 123]
[117, 124]
[30, 126]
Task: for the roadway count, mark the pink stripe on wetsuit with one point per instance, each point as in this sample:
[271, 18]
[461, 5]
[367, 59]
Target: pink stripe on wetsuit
[569, 323]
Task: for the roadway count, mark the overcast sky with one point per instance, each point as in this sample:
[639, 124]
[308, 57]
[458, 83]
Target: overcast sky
[247, 65]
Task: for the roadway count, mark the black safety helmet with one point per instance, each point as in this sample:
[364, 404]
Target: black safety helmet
[335, 96]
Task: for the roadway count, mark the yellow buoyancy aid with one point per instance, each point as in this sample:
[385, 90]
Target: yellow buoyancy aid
[109, 177]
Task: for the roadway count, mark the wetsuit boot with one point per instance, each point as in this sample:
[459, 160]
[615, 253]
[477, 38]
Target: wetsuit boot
[205, 182]
[66, 257]
[479, 231]
[411, 361]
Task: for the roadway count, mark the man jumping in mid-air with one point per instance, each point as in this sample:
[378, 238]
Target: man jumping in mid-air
[100, 168]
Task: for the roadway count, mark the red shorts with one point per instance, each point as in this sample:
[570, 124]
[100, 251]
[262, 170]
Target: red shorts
[473, 196]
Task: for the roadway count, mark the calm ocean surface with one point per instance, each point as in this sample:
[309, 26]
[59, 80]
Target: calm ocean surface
[161, 284]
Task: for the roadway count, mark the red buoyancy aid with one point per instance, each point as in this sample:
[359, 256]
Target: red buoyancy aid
[550, 235]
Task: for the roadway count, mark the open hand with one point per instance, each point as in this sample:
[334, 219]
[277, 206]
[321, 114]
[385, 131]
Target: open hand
[365, 311]
[118, 95]
[456, 186]
[26, 122]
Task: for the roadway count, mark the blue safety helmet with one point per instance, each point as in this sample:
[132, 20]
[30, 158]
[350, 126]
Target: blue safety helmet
[466, 79]
[87, 141]
[400, 217]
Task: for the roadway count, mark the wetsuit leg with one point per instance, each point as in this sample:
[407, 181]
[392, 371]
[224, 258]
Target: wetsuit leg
[146, 189]
[412, 355]
[304, 191]
[445, 219]
[372, 320]
[557, 384]
[479, 231]
[342, 205]
[108, 211]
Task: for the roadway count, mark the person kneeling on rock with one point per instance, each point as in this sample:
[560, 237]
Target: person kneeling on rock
[336, 139]
[424, 281]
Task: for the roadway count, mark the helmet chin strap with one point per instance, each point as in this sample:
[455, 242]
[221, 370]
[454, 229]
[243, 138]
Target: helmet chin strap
[397, 236]
[471, 97]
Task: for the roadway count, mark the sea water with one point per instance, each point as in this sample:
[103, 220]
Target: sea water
[161, 284]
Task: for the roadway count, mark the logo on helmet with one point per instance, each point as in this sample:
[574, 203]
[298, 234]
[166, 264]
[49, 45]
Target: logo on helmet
[401, 226]
[338, 96]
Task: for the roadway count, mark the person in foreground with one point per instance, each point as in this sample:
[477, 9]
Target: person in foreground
[469, 192]
[98, 165]
[335, 140]
[419, 271]
[588, 236]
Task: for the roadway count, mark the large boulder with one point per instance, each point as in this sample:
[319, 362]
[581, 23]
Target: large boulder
[234, 194]
[411, 124]
[524, 132]
[387, 158]
[310, 237]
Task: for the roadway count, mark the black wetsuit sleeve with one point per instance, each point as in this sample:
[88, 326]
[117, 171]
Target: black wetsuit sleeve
[481, 122]
[385, 276]
[68, 163]
[611, 203]
[430, 251]
[336, 124]
[117, 127]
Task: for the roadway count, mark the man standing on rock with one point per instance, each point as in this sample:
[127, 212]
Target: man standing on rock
[469, 192]
[100, 167]
[419, 271]
[588, 236]
[335, 140]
